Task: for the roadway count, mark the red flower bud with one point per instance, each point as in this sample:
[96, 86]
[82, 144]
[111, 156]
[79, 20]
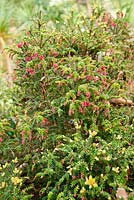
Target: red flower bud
[41, 57]
[28, 58]
[45, 122]
[55, 54]
[87, 94]
[78, 93]
[31, 72]
[1, 139]
[112, 24]
[35, 55]
[55, 65]
[83, 104]
[19, 45]
[75, 195]
[80, 109]
[70, 112]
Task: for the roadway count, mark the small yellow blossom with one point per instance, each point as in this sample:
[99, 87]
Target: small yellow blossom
[16, 180]
[15, 171]
[6, 165]
[108, 158]
[82, 75]
[0, 167]
[119, 137]
[3, 185]
[92, 133]
[91, 182]
[3, 174]
[82, 191]
[94, 145]
[103, 152]
[96, 158]
[123, 150]
[77, 126]
[70, 171]
[15, 160]
[102, 175]
[115, 169]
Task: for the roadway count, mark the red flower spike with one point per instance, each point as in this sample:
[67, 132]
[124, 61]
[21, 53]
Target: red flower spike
[45, 122]
[31, 72]
[46, 131]
[103, 67]
[41, 57]
[39, 66]
[89, 78]
[28, 58]
[35, 55]
[87, 104]
[112, 24]
[83, 103]
[55, 65]
[19, 45]
[78, 93]
[80, 109]
[87, 94]
[55, 54]
[70, 112]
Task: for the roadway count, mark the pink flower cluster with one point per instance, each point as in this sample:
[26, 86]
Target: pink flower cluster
[108, 20]
[34, 56]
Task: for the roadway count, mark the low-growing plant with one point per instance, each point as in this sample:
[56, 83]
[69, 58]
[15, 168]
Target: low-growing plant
[75, 139]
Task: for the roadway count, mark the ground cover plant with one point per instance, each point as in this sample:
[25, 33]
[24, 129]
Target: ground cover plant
[71, 133]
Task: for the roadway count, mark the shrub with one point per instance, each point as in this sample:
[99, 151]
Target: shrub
[75, 143]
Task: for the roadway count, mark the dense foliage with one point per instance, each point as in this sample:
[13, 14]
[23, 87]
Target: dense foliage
[66, 139]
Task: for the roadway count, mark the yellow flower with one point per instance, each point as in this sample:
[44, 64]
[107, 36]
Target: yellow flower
[0, 167]
[15, 160]
[108, 158]
[6, 165]
[70, 171]
[82, 191]
[3, 174]
[82, 75]
[119, 137]
[91, 182]
[15, 171]
[94, 145]
[3, 184]
[92, 134]
[123, 150]
[103, 152]
[115, 169]
[16, 180]
[77, 126]
[102, 175]
[96, 158]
